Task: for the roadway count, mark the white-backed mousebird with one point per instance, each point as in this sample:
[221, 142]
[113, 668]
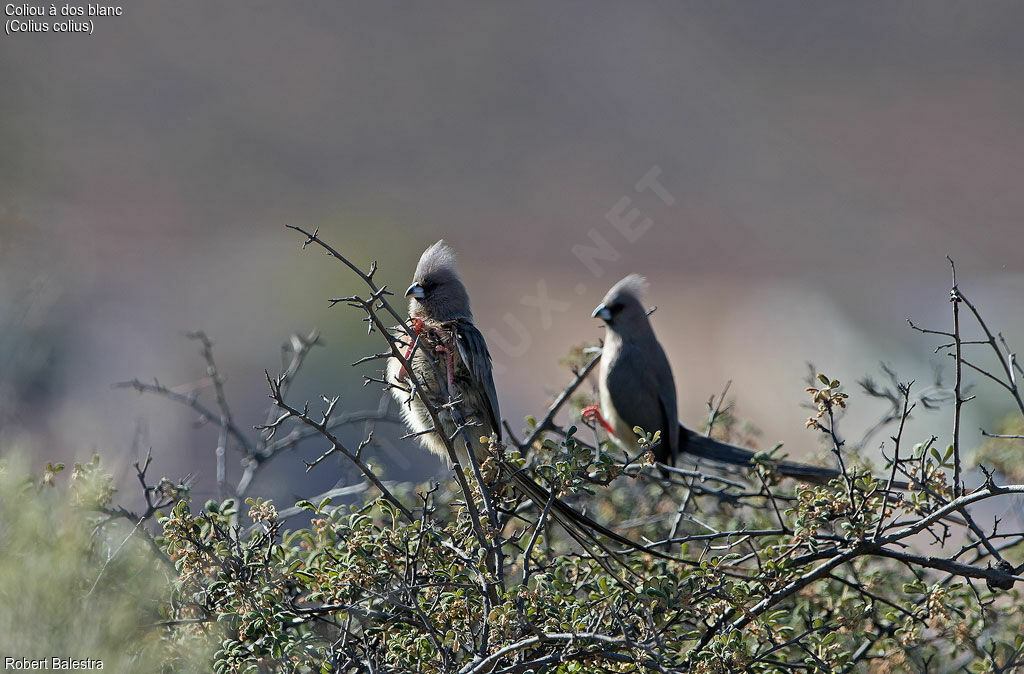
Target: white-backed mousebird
[637, 389]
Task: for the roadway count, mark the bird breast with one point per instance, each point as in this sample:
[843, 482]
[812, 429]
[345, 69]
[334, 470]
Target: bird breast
[439, 376]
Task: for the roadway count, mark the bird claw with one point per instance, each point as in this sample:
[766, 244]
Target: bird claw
[593, 415]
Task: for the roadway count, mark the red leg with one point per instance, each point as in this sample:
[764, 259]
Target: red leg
[593, 413]
[417, 328]
[451, 366]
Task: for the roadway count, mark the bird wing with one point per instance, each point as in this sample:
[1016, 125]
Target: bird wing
[669, 438]
[640, 386]
[474, 353]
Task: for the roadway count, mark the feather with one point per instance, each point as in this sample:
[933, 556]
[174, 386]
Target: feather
[633, 286]
[438, 258]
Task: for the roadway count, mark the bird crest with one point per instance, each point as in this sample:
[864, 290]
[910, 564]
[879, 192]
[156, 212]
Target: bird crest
[439, 257]
[634, 286]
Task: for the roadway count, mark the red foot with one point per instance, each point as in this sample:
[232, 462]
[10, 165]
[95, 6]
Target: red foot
[417, 328]
[592, 414]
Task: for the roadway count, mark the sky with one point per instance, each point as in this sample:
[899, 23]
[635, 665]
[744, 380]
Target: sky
[815, 164]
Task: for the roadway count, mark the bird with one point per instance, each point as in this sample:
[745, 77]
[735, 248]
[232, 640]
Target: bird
[442, 322]
[636, 388]
[459, 386]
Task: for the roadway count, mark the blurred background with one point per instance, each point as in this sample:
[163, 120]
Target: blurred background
[814, 163]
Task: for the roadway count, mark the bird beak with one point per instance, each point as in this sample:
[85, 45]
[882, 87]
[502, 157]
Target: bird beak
[603, 313]
[415, 290]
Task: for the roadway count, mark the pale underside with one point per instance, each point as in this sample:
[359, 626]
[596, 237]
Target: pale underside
[472, 405]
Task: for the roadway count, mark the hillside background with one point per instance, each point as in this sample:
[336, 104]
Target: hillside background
[822, 159]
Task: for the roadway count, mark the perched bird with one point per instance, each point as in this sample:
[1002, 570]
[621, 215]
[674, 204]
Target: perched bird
[458, 384]
[443, 323]
[637, 389]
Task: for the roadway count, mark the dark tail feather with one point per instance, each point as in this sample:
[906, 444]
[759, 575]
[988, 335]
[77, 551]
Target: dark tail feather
[713, 450]
[585, 539]
[582, 528]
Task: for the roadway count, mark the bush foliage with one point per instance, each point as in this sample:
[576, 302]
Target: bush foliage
[737, 571]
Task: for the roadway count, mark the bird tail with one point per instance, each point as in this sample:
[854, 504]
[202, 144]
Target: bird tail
[583, 529]
[707, 448]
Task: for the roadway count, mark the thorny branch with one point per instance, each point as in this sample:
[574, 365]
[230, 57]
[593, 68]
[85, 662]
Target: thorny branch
[755, 557]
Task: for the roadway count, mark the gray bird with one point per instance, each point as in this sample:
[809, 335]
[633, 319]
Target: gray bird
[637, 389]
[441, 317]
[459, 385]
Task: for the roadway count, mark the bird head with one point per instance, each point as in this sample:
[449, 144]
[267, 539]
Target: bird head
[437, 291]
[623, 305]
